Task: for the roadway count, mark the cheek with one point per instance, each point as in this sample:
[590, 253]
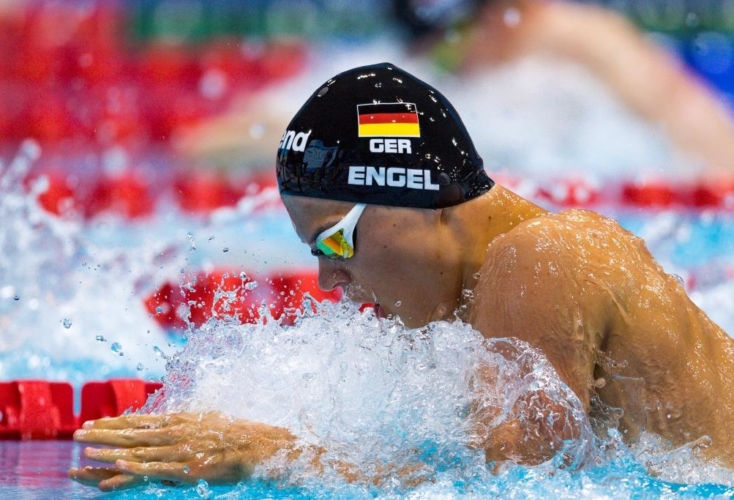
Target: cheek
[397, 262]
[394, 273]
[377, 265]
[377, 269]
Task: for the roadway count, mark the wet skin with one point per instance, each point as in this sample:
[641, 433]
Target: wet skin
[618, 330]
[614, 324]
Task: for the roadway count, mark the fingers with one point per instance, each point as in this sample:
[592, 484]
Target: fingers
[128, 438]
[104, 479]
[91, 476]
[129, 422]
[121, 482]
[157, 470]
[148, 421]
[140, 454]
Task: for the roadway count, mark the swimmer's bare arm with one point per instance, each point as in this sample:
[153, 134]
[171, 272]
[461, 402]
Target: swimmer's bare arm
[649, 80]
[537, 426]
[529, 289]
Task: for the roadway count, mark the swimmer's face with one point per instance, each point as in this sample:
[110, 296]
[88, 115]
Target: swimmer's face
[398, 262]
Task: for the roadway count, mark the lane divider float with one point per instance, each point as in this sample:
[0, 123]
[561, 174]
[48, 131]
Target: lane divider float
[42, 410]
[236, 294]
[136, 195]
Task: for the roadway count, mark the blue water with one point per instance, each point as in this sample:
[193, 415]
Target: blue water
[37, 471]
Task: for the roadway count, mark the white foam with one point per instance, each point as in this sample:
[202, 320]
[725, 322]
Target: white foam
[368, 390]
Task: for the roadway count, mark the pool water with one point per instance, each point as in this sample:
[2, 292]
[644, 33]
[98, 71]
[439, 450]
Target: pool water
[72, 299]
[37, 471]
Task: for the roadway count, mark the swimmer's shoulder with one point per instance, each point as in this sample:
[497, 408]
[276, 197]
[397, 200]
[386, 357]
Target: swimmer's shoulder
[571, 229]
[574, 249]
[534, 285]
[562, 240]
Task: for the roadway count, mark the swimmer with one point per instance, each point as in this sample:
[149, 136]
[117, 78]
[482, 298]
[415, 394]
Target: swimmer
[644, 77]
[382, 182]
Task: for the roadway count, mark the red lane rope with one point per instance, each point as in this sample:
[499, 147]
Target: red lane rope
[225, 293]
[133, 196]
[40, 409]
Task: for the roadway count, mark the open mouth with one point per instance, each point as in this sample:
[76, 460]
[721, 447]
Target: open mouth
[380, 311]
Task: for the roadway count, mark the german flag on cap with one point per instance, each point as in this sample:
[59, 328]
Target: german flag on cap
[394, 119]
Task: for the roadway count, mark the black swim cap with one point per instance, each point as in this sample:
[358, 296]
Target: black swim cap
[380, 136]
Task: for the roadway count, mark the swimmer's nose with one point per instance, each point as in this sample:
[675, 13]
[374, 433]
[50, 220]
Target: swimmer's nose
[331, 275]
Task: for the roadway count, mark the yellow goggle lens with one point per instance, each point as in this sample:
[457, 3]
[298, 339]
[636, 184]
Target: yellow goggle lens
[336, 246]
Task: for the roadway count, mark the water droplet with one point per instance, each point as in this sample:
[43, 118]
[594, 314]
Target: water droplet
[512, 17]
[100, 338]
[67, 323]
[213, 84]
[477, 275]
[186, 469]
[202, 488]
[210, 237]
[308, 307]
[192, 242]
[468, 294]
[680, 280]
[398, 303]
[225, 249]
[16, 297]
[243, 276]
[140, 367]
[323, 91]
[31, 148]
[116, 347]
[251, 285]
[159, 310]
[257, 130]
[159, 353]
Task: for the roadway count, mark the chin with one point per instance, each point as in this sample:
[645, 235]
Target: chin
[409, 321]
[413, 324]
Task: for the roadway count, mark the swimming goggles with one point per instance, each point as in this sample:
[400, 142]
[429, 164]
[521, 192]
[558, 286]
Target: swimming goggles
[337, 242]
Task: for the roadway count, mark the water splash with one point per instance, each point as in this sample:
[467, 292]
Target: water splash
[375, 394]
[96, 273]
[390, 400]
[61, 274]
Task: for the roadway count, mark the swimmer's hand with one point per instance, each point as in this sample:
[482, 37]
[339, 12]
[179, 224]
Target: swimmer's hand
[177, 448]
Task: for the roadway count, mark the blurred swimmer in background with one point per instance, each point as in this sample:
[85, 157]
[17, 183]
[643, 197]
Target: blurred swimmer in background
[383, 183]
[554, 43]
[550, 87]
